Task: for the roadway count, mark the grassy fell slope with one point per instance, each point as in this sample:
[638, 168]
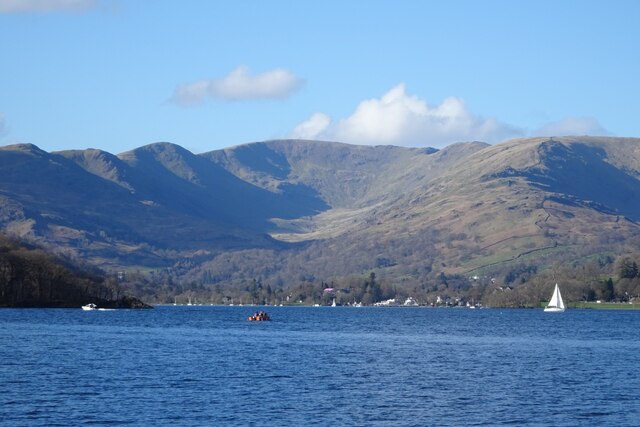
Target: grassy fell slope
[289, 209]
[536, 198]
[137, 209]
[523, 199]
[343, 175]
[471, 207]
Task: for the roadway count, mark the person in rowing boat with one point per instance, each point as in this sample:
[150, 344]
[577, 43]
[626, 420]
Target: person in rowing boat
[260, 315]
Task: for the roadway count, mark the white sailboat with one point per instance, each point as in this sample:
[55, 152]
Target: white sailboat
[556, 304]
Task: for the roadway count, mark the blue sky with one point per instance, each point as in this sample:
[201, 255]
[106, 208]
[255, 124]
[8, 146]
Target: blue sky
[120, 74]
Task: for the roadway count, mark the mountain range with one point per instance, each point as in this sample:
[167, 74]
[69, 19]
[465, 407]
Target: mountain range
[290, 210]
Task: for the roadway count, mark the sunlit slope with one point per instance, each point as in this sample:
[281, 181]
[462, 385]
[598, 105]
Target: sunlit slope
[341, 208]
[520, 200]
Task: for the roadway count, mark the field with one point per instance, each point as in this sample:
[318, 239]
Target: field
[606, 305]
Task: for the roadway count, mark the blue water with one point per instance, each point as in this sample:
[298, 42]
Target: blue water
[319, 366]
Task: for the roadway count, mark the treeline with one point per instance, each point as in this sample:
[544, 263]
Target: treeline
[31, 277]
[603, 278]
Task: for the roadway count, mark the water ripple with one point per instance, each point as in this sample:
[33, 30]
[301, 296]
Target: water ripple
[317, 366]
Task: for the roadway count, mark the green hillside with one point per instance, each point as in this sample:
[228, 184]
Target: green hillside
[287, 212]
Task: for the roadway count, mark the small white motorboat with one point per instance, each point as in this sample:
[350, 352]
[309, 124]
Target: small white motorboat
[90, 306]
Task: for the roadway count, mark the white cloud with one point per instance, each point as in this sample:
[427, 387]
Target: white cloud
[401, 119]
[239, 84]
[29, 6]
[192, 93]
[312, 127]
[572, 126]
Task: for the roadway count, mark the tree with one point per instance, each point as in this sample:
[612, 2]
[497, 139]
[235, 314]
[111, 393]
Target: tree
[628, 268]
[606, 290]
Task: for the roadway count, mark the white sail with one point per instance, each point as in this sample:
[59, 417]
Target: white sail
[559, 302]
[556, 303]
[554, 298]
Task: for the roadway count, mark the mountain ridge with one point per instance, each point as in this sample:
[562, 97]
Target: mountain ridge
[408, 213]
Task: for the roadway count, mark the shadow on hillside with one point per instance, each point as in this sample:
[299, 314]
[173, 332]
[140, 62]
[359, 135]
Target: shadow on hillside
[582, 172]
[195, 185]
[260, 158]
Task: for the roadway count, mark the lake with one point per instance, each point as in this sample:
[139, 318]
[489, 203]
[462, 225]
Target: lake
[198, 365]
